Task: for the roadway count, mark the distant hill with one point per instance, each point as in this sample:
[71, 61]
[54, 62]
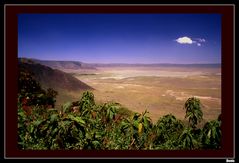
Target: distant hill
[206, 65]
[52, 78]
[64, 65]
[69, 66]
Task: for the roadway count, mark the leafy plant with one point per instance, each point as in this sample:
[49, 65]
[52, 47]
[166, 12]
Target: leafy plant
[187, 140]
[84, 124]
[193, 111]
[212, 134]
[167, 130]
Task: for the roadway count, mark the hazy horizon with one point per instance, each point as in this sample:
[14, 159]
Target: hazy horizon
[122, 63]
[121, 38]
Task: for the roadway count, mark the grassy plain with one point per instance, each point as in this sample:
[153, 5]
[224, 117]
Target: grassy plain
[160, 90]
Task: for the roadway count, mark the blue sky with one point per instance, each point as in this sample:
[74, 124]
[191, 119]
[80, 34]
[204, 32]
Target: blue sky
[121, 38]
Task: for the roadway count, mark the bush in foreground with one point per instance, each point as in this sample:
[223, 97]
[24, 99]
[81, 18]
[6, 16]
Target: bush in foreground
[84, 124]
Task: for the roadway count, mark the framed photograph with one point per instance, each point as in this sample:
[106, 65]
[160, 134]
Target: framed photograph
[119, 81]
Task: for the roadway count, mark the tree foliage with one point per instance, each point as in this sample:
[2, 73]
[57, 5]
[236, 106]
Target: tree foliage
[31, 93]
[83, 124]
[212, 134]
[193, 111]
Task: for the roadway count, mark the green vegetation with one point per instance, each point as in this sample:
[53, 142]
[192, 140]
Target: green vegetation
[30, 92]
[193, 111]
[84, 124]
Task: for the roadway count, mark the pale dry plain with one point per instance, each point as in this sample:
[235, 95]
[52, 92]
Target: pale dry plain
[160, 90]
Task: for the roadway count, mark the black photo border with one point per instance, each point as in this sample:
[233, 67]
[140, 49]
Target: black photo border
[11, 12]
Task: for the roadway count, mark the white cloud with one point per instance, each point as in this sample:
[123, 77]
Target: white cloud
[184, 40]
[188, 40]
[200, 39]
